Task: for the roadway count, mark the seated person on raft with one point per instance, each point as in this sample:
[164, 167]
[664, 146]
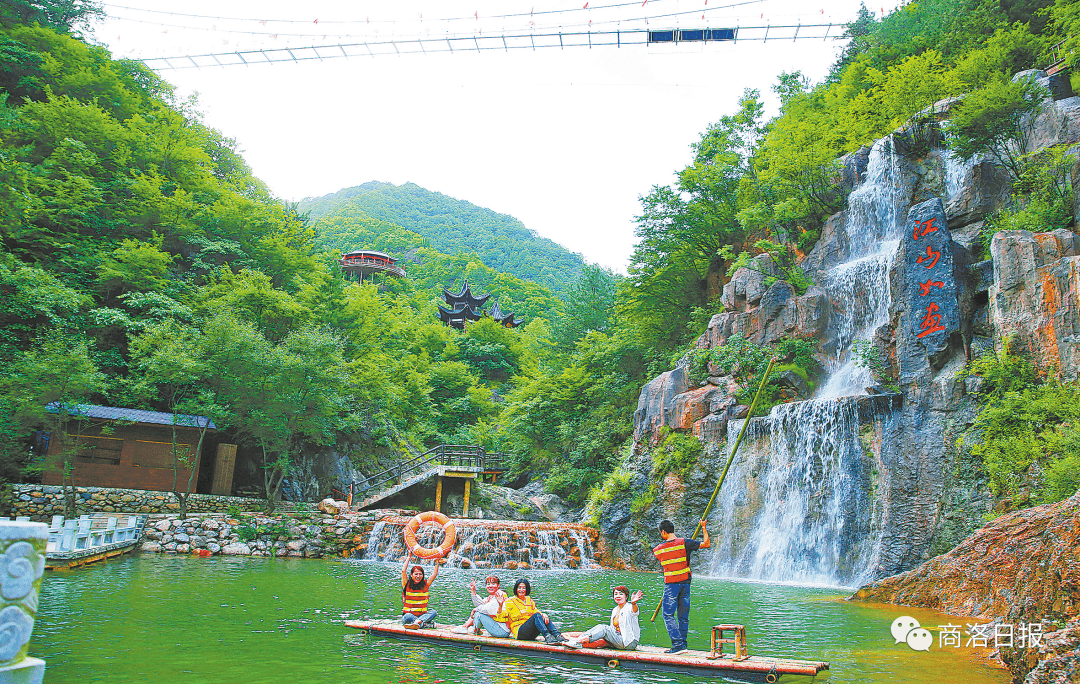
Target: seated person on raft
[414, 595]
[490, 605]
[623, 631]
[521, 619]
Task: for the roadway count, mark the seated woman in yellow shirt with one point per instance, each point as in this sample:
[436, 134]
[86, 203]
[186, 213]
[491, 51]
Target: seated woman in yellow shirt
[524, 620]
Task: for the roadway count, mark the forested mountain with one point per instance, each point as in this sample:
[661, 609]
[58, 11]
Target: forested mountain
[449, 225]
[142, 265]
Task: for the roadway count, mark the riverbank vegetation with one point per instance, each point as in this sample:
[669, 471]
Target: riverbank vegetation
[138, 250]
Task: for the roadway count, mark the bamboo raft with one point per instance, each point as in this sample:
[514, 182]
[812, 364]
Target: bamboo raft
[737, 666]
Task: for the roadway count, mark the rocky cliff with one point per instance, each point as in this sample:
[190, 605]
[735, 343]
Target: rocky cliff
[929, 302]
[1022, 568]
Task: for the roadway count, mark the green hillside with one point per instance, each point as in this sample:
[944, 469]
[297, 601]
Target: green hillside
[498, 240]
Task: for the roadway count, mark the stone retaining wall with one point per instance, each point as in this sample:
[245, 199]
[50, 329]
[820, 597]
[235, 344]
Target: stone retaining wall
[42, 502]
[296, 535]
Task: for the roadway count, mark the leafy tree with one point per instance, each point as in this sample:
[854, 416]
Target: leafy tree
[676, 264]
[590, 305]
[857, 32]
[281, 395]
[48, 387]
[495, 352]
[20, 71]
[33, 301]
[1066, 18]
[991, 121]
[61, 15]
[172, 357]
[135, 266]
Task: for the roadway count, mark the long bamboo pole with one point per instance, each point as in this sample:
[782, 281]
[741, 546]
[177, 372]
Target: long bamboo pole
[731, 458]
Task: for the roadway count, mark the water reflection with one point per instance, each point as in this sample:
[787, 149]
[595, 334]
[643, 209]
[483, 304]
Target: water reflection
[241, 620]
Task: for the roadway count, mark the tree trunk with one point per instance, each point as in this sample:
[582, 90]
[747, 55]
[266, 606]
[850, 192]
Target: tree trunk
[182, 499]
[268, 489]
[70, 511]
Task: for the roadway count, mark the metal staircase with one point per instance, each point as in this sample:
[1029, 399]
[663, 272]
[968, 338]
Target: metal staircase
[438, 461]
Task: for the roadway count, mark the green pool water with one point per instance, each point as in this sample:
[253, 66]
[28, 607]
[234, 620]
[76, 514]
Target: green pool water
[152, 618]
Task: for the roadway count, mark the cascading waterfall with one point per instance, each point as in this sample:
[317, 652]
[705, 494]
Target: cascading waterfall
[859, 287]
[493, 544]
[956, 172]
[798, 505]
[810, 487]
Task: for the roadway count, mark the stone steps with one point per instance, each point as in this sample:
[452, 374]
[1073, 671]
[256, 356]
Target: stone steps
[398, 487]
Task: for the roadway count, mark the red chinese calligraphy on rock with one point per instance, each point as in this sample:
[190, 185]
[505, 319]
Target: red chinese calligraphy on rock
[932, 322]
[924, 288]
[931, 255]
[924, 227]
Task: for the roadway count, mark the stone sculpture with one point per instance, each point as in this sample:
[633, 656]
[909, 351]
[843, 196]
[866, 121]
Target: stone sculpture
[22, 564]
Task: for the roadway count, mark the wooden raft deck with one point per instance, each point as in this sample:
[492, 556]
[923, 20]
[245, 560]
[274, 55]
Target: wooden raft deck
[698, 663]
[69, 560]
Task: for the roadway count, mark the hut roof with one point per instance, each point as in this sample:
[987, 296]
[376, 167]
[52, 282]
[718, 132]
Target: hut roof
[133, 415]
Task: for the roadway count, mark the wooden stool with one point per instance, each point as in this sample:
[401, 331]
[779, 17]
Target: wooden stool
[718, 640]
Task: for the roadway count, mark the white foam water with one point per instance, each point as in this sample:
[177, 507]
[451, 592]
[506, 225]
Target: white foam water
[812, 485]
[542, 547]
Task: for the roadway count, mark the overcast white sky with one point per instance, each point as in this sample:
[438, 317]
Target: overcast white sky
[564, 140]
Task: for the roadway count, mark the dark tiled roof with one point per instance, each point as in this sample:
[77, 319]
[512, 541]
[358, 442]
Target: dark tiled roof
[134, 415]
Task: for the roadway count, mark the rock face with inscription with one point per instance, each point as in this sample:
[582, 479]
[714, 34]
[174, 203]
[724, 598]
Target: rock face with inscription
[22, 564]
[928, 303]
[913, 222]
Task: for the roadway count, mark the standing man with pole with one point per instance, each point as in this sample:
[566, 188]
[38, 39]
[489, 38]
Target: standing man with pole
[674, 556]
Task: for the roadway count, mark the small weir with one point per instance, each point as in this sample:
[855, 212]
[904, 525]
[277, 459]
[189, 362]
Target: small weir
[508, 544]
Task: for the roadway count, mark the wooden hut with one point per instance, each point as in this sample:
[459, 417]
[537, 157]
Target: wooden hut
[128, 448]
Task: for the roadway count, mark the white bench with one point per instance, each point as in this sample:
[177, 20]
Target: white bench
[82, 534]
[90, 531]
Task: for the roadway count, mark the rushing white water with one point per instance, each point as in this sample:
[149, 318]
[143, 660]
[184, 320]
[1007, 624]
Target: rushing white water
[957, 173]
[799, 504]
[859, 287]
[541, 546]
[810, 486]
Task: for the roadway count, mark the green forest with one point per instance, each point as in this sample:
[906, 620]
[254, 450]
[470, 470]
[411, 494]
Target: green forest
[142, 264]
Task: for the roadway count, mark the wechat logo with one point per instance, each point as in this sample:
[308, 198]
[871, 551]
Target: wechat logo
[907, 630]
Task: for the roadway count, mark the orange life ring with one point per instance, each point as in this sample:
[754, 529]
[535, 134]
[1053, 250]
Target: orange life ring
[449, 535]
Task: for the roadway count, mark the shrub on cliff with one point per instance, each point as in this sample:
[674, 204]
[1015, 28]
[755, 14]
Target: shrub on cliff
[677, 452]
[1027, 432]
[994, 120]
[1029, 429]
[746, 362]
[1042, 197]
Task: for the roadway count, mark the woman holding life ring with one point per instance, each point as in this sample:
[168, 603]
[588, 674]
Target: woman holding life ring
[415, 613]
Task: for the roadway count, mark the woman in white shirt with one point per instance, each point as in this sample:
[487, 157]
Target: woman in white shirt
[488, 605]
[622, 632]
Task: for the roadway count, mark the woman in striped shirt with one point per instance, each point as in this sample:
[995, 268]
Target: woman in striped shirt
[414, 595]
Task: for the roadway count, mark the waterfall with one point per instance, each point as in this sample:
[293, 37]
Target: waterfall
[799, 505]
[493, 544]
[810, 488]
[859, 287]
